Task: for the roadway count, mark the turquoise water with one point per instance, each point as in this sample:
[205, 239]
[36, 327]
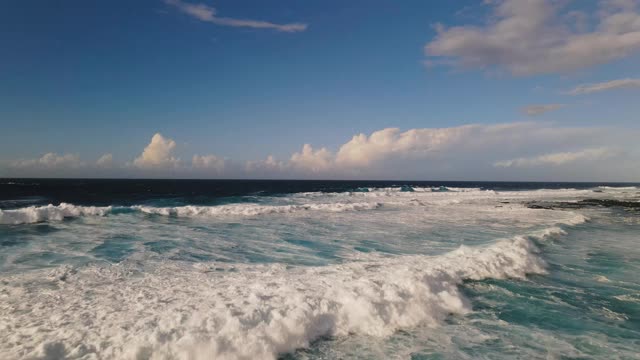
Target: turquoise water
[586, 307]
[455, 273]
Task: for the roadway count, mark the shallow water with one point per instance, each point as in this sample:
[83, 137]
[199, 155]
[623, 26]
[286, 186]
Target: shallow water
[186, 270]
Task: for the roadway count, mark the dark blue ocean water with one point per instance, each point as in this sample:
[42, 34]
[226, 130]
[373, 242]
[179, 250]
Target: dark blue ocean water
[104, 192]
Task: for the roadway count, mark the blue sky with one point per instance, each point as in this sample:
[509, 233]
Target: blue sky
[81, 79]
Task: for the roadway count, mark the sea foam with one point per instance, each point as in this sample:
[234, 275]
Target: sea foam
[312, 201]
[35, 214]
[209, 310]
[254, 209]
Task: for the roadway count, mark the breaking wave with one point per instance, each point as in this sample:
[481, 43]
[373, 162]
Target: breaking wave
[254, 209]
[325, 202]
[207, 310]
[35, 214]
[618, 187]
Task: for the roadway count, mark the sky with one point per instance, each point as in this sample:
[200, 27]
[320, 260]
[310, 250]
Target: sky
[531, 90]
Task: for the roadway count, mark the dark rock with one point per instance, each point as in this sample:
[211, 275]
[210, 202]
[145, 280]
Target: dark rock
[536, 206]
[608, 203]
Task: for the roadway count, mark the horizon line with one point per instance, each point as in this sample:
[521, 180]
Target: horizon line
[334, 180]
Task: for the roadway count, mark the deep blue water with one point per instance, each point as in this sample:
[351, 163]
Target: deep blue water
[103, 192]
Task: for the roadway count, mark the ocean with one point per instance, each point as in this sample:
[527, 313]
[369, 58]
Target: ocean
[239, 269]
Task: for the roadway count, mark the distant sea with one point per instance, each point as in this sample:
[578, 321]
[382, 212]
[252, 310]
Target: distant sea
[253, 269]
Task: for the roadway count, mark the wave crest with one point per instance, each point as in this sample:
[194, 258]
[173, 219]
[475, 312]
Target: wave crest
[36, 214]
[254, 209]
[247, 312]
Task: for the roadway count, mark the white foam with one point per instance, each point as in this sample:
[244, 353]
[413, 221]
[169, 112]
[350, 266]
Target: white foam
[610, 314]
[177, 311]
[470, 198]
[254, 209]
[629, 297]
[576, 219]
[466, 194]
[552, 232]
[618, 187]
[35, 214]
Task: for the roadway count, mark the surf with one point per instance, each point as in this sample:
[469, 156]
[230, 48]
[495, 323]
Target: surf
[236, 311]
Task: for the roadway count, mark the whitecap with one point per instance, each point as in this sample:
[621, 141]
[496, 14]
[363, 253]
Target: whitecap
[173, 310]
[36, 214]
[254, 209]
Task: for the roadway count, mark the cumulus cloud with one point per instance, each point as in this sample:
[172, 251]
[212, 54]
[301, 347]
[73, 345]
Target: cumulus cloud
[51, 160]
[527, 37]
[52, 164]
[312, 160]
[363, 150]
[207, 13]
[559, 158]
[158, 154]
[460, 141]
[105, 161]
[208, 162]
[604, 86]
[533, 110]
[430, 152]
[270, 164]
[466, 152]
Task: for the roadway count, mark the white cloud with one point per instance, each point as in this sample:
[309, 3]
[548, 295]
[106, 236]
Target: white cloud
[559, 158]
[270, 164]
[604, 86]
[105, 161]
[463, 152]
[208, 162]
[527, 37]
[158, 154]
[362, 151]
[533, 110]
[312, 160]
[51, 160]
[461, 141]
[432, 152]
[207, 13]
[467, 152]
